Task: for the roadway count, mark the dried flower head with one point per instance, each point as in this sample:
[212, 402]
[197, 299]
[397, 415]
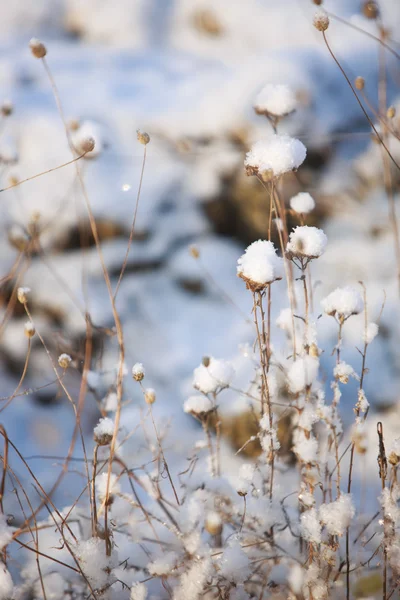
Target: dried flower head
[391, 112]
[275, 101]
[138, 372]
[343, 302]
[260, 265]
[150, 396]
[87, 145]
[321, 20]
[73, 124]
[213, 523]
[29, 329]
[22, 294]
[359, 83]
[194, 251]
[7, 108]
[198, 406]
[64, 360]
[37, 47]
[306, 243]
[274, 156]
[317, 2]
[370, 9]
[143, 138]
[104, 431]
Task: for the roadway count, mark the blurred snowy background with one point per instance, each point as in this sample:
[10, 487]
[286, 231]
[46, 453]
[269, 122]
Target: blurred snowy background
[187, 72]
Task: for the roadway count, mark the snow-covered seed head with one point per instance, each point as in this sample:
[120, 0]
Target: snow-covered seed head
[143, 138]
[213, 523]
[391, 112]
[138, 372]
[275, 101]
[214, 377]
[302, 203]
[87, 145]
[306, 242]
[394, 454]
[359, 438]
[7, 108]
[104, 431]
[194, 252]
[22, 294]
[64, 360]
[37, 47]
[321, 20]
[260, 265]
[29, 329]
[370, 10]
[274, 156]
[343, 302]
[359, 83]
[150, 396]
[198, 406]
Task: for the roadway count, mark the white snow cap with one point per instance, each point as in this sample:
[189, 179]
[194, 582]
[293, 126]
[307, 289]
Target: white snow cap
[302, 373]
[310, 526]
[138, 371]
[302, 203]
[138, 591]
[307, 242]
[260, 263]
[344, 302]
[217, 375]
[277, 153]
[235, 564]
[371, 332]
[104, 431]
[276, 100]
[198, 405]
[337, 515]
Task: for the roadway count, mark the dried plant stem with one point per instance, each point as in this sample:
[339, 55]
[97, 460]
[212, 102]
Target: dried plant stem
[359, 102]
[132, 231]
[70, 162]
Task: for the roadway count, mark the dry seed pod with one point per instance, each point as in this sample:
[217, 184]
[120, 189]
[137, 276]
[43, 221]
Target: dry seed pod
[37, 47]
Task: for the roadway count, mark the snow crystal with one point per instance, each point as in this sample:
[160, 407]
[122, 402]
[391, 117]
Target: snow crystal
[268, 438]
[277, 155]
[217, 375]
[343, 372]
[371, 332]
[344, 302]
[235, 564]
[138, 591]
[138, 372]
[306, 498]
[284, 320]
[336, 516]
[6, 583]
[194, 580]
[302, 373]
[308, 417]
[94, 562]
[101, 485]
[276, 100]
[104, 431]
[307, 242]
[302, 203]
[163, 565]
[310, 526]
[306, 448]
[362, 402]
[6, 532]
[198, 405]
[295, 579]
[260, 263]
